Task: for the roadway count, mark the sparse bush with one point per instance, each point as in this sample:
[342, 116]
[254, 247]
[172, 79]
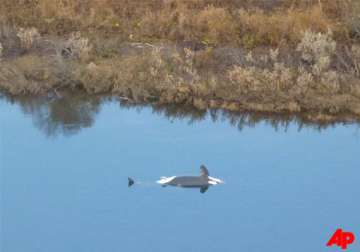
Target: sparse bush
[58, 9]
[6, 31]
[304, 80]
[10, 41]
[330, 81]
[140, 76]
[97, 78]
[32, 74]
[216, 24]
[317, 47]
[28, 37]
[205, 59]
[249, 23]
[317, 51]
[352, 19]
[1, 50]
[12, 79]
[77, 47]
[355, 56]
[276, 77]
[159, 24]
[259, 27]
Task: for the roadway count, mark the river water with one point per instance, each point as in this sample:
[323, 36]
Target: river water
[64, 165]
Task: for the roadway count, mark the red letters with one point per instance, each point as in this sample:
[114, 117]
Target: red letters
[341, 239]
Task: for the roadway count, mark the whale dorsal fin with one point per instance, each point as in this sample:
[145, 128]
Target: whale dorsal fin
[204, 171]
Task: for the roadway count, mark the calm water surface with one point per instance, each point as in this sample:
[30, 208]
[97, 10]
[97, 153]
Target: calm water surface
[64, 166]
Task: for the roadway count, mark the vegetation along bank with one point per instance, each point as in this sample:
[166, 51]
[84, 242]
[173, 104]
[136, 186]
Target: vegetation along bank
[282, 56]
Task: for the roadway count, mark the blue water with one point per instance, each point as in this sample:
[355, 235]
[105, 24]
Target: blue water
[64, 182]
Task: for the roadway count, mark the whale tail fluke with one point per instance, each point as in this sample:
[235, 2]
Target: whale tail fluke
[204, 171]
[130, 181]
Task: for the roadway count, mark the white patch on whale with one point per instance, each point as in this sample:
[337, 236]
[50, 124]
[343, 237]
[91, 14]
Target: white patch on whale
[165, 180]
[215, 180]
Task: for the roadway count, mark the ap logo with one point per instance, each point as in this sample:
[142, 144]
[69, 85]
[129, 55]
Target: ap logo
[341, 239]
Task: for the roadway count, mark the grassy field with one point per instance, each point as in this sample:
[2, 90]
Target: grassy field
[248, 23]
[251, 55]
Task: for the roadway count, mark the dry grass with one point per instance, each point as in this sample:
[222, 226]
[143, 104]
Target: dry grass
[34, 74]
[1, 50]
[23, 74]
[263, 81]
[262, 28]
[249, 23]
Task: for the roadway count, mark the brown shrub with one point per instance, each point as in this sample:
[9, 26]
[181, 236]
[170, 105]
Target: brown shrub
[215, 25]
[27, 74]
[352, 20]
[260, 22]
[33, 74]
[263, 28]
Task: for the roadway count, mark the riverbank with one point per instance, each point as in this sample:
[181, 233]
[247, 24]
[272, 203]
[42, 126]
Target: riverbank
[311, 67]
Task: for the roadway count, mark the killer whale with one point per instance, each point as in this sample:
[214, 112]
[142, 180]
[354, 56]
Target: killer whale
[203, 181]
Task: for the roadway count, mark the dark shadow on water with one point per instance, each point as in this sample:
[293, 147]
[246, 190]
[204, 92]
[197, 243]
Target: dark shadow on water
[67, 114]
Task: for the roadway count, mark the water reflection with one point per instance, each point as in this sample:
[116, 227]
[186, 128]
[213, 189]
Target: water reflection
[239, 120]
[67, 114]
